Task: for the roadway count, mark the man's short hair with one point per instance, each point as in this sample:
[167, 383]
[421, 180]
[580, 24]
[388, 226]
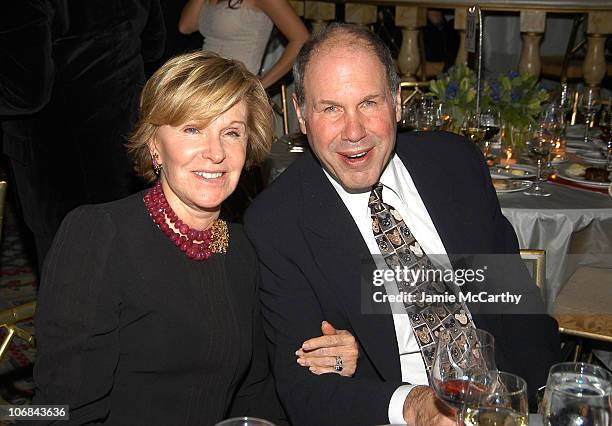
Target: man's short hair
[349, 31]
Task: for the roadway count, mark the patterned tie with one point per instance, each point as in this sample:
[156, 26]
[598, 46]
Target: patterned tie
[401, 250]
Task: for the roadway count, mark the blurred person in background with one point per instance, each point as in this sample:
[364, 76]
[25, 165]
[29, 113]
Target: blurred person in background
[71, 77]
[240, 29]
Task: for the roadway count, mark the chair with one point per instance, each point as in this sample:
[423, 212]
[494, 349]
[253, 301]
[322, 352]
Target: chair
[535, 262]
[8, 319]
[282, 109]
[296, 138]
[412, 89]
[582, 308]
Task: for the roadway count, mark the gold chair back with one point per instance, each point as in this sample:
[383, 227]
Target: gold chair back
[535, 261]
[10, 317]
[412, 89]
[573, 308]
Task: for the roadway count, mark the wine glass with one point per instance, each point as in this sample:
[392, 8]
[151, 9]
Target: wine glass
[564, 98]
[409, 119]
[605, 125]
[444, 117]
[245, 421]
[495, 398]
[577, 394]
[472, 128]
[460, 355]
[490, 120]
[428, 115]
[539, 146]
[552, 123]
[588, 104]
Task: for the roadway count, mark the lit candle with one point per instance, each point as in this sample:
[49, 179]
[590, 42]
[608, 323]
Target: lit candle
[508, 161]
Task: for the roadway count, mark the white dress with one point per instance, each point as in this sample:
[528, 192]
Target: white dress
[240, 33]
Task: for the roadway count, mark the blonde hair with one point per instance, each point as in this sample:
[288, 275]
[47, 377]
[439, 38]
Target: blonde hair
[199, 87]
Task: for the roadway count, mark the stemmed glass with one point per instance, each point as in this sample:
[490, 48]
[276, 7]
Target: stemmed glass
[490, 120]
[428, 115]
[577, 394]
[588, 104]
[605, 125]
[552, 123]
[458, 357]
[443, 115]
[539, 146]
[564, 98]
[495, 398]
[409, 121]
[473, 128]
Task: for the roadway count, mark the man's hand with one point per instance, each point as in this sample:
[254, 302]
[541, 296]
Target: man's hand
[319, 353]
[423, 408]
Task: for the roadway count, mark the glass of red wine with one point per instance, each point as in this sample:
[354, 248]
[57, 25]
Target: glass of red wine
[460, 354]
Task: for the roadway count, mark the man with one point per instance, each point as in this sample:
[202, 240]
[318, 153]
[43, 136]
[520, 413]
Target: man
[314, 226]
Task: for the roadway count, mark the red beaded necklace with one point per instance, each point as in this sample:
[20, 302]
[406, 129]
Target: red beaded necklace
[212, 240]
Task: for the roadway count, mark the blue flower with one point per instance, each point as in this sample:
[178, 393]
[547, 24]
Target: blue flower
[512, 75]
[451, 90]
[495, 91]
[515, 95]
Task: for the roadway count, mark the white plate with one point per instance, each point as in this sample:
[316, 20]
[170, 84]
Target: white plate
[580, 180]
[515, 186]
[581, 144]
[505, 172]
[557, 161]
[577, 131]
[593, 157]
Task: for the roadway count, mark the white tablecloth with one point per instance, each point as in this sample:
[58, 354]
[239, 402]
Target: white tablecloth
[573, 226]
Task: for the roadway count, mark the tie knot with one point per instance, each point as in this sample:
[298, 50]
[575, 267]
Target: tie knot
[376, 195]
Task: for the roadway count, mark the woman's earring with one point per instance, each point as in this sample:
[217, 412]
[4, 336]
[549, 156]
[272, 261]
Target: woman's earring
[157, 166]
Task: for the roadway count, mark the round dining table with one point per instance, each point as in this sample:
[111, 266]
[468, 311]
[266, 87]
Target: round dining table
[573, 226]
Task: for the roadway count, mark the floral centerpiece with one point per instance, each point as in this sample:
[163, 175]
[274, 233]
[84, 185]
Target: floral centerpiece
[456, 91]
[519, 99]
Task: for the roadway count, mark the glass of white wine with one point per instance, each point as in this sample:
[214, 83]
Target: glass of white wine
[552, 123]
[473, 128]
[495, 398]
[539, 146]
[588, 104]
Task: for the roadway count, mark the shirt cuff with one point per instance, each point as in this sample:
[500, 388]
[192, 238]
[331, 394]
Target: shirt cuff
[396, 404]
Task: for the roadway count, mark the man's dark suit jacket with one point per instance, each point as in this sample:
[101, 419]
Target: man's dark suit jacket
[310, 251]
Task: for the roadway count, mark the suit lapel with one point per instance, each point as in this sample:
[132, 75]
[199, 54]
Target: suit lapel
[339, 249]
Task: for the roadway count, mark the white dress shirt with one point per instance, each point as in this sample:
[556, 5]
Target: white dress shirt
[401, 193]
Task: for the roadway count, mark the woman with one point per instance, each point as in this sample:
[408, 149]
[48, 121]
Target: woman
[240, 29]
[148, 310]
